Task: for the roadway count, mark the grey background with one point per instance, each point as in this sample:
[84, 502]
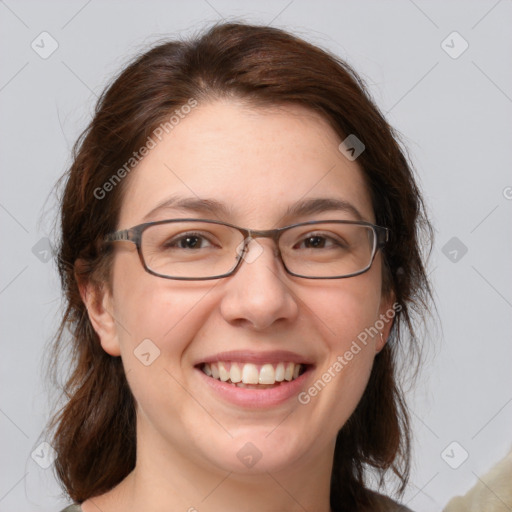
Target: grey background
[454, 114]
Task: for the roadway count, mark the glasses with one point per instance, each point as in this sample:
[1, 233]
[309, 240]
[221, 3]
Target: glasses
[199, 249]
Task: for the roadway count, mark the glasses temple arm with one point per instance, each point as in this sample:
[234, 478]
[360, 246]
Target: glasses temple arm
[124, 234]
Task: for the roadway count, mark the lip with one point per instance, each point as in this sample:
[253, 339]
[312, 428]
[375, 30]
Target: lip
[248, 356]
[255, 398]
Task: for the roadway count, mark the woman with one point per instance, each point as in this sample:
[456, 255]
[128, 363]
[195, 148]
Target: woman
[241, 261]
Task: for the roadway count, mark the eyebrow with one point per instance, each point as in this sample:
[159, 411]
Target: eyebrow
[213, 207]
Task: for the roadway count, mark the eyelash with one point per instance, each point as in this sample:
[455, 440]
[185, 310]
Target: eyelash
[173, 242]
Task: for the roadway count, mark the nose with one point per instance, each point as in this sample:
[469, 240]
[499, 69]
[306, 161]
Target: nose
[259, 293]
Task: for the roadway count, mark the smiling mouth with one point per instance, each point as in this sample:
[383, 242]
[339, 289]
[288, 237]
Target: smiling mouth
[253, 376]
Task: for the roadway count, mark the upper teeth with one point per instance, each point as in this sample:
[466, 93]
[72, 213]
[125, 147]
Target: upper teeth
[250, 373]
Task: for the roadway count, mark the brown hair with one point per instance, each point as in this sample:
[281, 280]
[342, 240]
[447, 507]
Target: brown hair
[94, 432]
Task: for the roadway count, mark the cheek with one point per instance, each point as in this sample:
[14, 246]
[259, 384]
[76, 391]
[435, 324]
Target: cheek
[150, 308]
[346, 309]
[346, 320]
[157, 319]
[344, 316]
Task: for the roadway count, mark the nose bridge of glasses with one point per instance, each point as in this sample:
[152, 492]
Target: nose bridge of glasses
[264, 233]
[273, 234]
[257, 248]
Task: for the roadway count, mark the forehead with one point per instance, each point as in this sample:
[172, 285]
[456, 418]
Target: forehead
[257, 162]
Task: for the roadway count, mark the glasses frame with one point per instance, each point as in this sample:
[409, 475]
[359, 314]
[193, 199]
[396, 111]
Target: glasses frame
[134, 235]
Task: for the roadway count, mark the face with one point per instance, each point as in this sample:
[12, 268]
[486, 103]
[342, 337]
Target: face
[257, 162]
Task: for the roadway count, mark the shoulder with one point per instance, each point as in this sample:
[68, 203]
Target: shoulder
[376, 502]
[72, 508]
[386, 504]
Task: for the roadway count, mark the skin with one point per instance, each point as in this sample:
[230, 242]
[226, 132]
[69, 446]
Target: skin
[258, 161]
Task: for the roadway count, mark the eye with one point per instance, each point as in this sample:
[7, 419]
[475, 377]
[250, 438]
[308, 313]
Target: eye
[191, 240]
[320, 241]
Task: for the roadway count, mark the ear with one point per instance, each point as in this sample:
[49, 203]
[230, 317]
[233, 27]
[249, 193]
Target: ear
[99, 303]
[387, 311]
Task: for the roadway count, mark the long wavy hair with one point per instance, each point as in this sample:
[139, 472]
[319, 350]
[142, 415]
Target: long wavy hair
[93, 431]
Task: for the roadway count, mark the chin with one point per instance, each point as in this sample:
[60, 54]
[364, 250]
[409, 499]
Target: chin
[255, 452]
